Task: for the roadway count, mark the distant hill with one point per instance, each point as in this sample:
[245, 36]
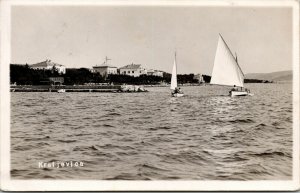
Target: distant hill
[274, 76]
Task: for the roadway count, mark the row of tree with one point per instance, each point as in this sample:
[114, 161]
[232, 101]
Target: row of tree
[24, 75]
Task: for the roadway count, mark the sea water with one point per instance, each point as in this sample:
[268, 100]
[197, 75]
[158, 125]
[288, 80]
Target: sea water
[205, 135]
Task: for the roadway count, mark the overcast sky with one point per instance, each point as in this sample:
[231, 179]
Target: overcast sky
[83, 36]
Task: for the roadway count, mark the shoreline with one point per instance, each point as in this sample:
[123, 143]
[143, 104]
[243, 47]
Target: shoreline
[94, 88]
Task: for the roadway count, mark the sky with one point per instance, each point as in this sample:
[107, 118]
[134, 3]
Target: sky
[82, 36]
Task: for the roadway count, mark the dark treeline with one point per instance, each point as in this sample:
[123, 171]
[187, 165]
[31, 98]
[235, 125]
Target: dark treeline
[186, 78]
[24, 75]
[206, 78]
[257, 81]
[81, 76]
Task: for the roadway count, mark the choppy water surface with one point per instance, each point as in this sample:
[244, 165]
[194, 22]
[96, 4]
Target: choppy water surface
[205, 135]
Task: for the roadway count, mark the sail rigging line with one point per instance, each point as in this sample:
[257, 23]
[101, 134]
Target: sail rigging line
[176, 67]
[232, 54]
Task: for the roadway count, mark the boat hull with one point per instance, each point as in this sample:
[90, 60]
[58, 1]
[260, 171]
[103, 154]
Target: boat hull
[239, 93]
[61, 90]
[177, 94]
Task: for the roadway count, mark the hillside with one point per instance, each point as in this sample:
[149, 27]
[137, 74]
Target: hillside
[274, 76]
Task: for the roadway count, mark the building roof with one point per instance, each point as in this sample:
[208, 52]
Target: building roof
[150, 71]
[131, 66]
[45, 64]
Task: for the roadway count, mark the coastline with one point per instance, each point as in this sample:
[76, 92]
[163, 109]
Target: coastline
[94, 88]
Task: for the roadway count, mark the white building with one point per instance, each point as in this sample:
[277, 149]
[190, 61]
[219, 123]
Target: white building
[48, 65]
[199, 77]
[133, 70]
[152, 72]
[104, 69]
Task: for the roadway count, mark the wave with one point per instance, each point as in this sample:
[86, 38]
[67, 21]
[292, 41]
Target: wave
[148, 166]
[158, 128]
[260, 126]
[127, 176]
[269, 154]
[107, 125]
[84, 148]
[82, 134]
[112, 114]
[24, 147]
[37, 139]
[242, 121]
[66, 141]
[17, 172]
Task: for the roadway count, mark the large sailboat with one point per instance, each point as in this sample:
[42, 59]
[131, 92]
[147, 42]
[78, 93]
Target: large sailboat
[226, 70]
[175, 90]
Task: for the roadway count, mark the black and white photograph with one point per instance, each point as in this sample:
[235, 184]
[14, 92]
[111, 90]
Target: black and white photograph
[150, 95]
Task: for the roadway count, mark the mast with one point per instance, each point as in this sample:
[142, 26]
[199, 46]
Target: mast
[106, 60]
[176, 63]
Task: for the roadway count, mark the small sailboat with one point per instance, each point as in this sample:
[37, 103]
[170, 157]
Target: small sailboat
[175, 90]
[226, 70]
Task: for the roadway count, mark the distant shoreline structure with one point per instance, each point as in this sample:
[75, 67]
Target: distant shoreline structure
[24, 74]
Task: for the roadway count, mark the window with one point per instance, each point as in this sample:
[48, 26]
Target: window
[128, 72]
[132, 71]
[124, 72]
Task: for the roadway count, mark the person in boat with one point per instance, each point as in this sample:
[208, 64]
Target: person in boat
[234, 88]
[177, 90]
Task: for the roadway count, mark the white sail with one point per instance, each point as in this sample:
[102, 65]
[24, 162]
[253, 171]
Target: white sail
[174, 75]
[226, 70]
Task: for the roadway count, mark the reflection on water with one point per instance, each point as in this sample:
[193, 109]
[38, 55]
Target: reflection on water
[204, 135]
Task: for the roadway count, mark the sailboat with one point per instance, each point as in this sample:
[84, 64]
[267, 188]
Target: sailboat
[226, 70]
[175, 90]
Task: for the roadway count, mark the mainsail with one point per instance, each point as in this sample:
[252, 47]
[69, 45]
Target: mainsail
[174, 75]
[226, 70]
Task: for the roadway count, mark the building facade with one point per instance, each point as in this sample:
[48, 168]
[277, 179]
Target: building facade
[152, 72]
[105, 70]
[56, 80]
[133, 70]
[48, 65]
[199, 77]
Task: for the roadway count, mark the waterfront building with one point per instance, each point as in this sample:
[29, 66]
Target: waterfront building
[133, 70]
[152, 72]
[105, 69]
[48, 65]
[199, 77]
[56, 80]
